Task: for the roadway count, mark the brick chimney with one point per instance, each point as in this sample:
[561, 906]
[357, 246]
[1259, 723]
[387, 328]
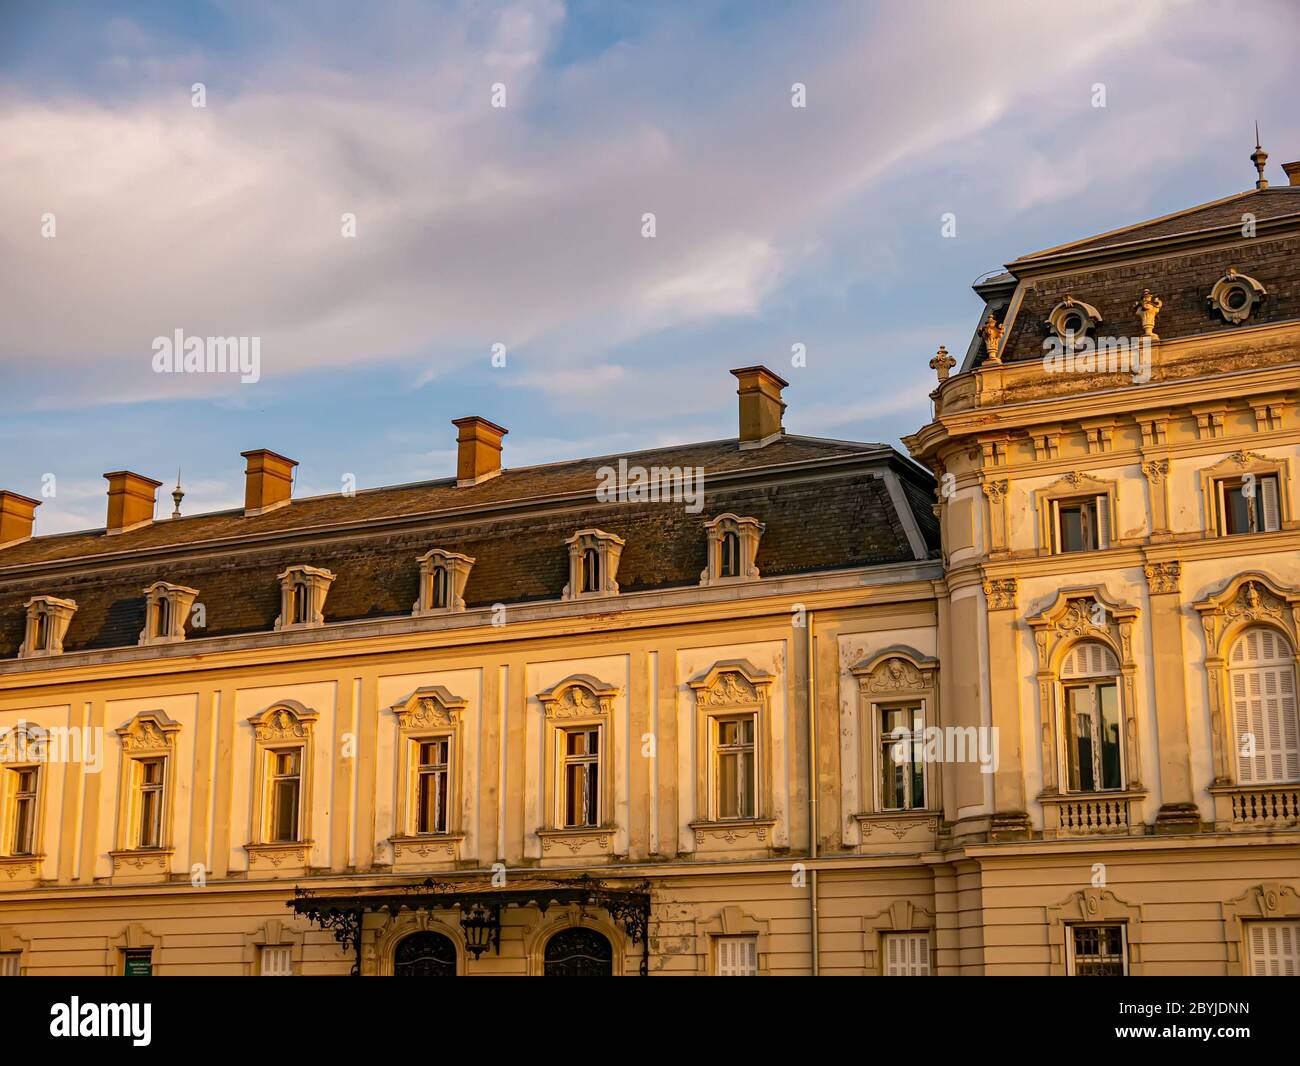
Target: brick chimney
[131, 500]
[760, 405]
[478, 450]
[1292, 172]
[17, 515]
[268, 481]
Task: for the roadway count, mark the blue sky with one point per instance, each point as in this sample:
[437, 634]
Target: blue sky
[521, 225]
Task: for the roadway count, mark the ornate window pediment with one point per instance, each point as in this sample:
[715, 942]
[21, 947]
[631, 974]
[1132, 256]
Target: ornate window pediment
[430, 745]
[1272, 901]
[145, 793]
[167, 607]
[733, 770]
[1093, 906]
[443, 576]
[732, 549]
[578, 725]
[47, 624]
[1246, 492]
[1249, 600]
[895, 671]
[1085, 622]
[1077, 512]
[302, 597]
[282, 785]
[593, 564]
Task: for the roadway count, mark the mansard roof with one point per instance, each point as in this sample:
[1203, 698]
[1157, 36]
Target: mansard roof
[1179, 257]
[826, 504]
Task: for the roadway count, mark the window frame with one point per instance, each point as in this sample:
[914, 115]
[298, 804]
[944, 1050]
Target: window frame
[1286, 663]
[14, 796]
[905, 936]
[579, 703]
[429, 714]
[1071, 955]
[716, 754]
[876, 738]
[589, 762]
[285, 726]
[1077, 487]
[1234, 468]
[734, 939]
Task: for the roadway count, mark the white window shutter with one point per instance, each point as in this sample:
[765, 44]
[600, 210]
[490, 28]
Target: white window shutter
[9, 964]
[1274, 949]
[277, 961]
[907, 954]
[1103, 521]
[737, 956]
[1269, 501]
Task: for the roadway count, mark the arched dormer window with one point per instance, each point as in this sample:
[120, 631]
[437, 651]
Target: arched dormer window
[47, 623]
[1262, 687]
[593, 564]
[167, 607]
[1092, 725]
[443, 575]
[732, 549]
[302, 596]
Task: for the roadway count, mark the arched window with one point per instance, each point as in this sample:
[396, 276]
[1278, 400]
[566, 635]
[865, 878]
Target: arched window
[439, 593]
[425, 955]
[299, 603]
[579, 952]
[591, 570]
[1093, 724]
[163, 618]
[1262, 681]
[730, 562]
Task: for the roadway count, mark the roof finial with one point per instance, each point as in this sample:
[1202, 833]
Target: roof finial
[1259, 157]
[178, 494]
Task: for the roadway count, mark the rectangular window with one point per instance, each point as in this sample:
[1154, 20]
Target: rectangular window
[736, 956]
[149, 778]
[276, 961]
[906, 954]
[163, 617]
[1092, 717]
[735, 784]
[10, 964]
[1097, 951]
[137, 962]
[299, 603]
[1249, 504]
[285, 790]
[902, 767]
[580, 769]
[433, 779]
[24, 782]
[1274, 948]
[42, 640]
[1081, 524]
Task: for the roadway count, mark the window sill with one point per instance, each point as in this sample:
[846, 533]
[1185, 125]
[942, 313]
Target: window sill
[1116, 812]
[279, 858]
[741, 834]
[1252, 808]
[423, 848]
[20, 871]
[892, 830]
[587, 841]
[142, 864]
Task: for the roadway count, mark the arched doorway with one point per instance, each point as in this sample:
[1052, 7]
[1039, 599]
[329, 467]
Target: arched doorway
[425, 955]
[579, 952]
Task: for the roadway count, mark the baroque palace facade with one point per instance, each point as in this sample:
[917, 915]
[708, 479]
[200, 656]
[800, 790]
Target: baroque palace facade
[1024, 703]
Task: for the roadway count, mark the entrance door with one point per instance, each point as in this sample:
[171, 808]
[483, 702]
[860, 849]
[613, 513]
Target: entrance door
[579, 953]
[425, 955]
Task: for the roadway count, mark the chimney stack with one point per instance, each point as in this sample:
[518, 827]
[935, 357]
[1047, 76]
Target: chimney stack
[478, 450]
[131, 500]
[1292, 172]
[17, 515]
[268, 481]
[760, 406]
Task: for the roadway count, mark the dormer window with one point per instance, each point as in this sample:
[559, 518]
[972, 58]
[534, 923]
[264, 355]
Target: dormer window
[1071, 320]
[1235, 297]
[302, 597]
[732, 549]
[47, 624]
[167, 607]
[593, 564]
[443, 575]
